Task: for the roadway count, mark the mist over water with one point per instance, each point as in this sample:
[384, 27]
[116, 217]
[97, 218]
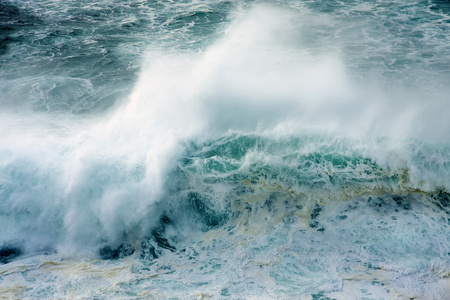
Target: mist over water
[297, 149]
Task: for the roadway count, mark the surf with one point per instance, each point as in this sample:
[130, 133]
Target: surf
[266, 160]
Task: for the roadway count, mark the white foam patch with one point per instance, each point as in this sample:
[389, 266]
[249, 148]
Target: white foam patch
[375, 248]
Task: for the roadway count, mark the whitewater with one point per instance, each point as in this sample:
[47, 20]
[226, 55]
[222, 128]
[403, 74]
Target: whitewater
[204, 149]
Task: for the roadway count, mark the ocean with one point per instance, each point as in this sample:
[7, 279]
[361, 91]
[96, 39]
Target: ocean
[225, 149]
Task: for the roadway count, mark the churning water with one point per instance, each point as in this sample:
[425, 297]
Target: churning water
[225, 149]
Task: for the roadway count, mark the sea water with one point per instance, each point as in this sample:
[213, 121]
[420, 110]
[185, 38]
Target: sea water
[225, 149]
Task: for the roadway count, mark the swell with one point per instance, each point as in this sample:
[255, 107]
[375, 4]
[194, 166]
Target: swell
[212, 186]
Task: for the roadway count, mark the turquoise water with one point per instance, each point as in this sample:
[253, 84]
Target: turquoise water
[225, 149]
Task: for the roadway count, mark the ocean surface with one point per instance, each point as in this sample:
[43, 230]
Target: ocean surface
[226, 149]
